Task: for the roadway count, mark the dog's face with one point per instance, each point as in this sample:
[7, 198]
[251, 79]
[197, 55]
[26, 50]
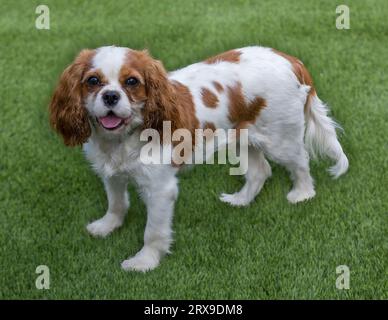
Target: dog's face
[110, 90]
[115, 90]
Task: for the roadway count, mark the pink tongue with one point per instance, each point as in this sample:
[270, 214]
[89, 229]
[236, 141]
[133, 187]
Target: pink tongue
[110, 121]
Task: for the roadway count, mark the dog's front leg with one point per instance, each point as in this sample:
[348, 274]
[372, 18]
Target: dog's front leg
[160, 199]
[118, 203]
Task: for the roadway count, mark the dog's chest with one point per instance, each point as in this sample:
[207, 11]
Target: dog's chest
[110, 159]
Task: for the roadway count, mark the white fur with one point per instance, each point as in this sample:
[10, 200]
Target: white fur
[321, 137]
[278, 133]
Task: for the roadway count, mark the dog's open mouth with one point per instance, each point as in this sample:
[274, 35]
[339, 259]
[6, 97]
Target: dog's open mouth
[112, 122]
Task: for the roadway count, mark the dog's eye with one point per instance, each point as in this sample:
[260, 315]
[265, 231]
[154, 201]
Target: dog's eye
[93, 81]
[131, 81]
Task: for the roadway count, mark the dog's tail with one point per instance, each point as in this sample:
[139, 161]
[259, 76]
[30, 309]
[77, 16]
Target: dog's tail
[320, 136]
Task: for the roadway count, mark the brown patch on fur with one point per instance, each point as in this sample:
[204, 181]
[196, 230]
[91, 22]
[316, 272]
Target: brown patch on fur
[301, 73]
[165, 100]
[232, 56]
[68, 115]
[93, 89]
[185, 105]
[209, 130]
[209, 98]
[218, 86]
[241, 112]
[242, 125]
[135, 93]
[209, 125]
[184, 118]
[96, 73]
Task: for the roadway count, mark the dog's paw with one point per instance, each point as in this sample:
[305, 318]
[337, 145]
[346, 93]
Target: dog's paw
[298, 195]
[104, 226]
[145, 260]
[235, 199]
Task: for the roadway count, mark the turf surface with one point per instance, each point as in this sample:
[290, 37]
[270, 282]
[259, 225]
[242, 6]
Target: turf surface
[269, 250]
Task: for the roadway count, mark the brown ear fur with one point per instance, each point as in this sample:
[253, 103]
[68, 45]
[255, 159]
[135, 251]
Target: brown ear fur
[68, 116]
[166, 101]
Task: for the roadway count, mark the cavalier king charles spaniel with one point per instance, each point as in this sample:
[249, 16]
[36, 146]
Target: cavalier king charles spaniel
[108, 96]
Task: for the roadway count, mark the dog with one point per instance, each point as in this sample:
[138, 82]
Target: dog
[109, 95]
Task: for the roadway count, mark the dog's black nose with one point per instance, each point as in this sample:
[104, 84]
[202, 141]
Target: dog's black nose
[111, 98]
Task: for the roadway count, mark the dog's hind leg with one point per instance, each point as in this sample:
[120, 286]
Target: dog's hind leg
[298, 165]
[258, 171]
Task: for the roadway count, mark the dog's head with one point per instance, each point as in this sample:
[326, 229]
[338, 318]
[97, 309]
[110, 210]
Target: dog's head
[111, 89]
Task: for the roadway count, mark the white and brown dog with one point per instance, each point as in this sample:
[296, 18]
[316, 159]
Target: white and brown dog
[107, 96]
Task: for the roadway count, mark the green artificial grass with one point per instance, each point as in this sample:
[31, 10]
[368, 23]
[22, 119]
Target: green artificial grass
[269, 250]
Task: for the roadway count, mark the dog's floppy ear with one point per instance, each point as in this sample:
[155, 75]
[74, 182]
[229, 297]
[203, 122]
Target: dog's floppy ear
[161, 97]
[68, 116]
[166, 100]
